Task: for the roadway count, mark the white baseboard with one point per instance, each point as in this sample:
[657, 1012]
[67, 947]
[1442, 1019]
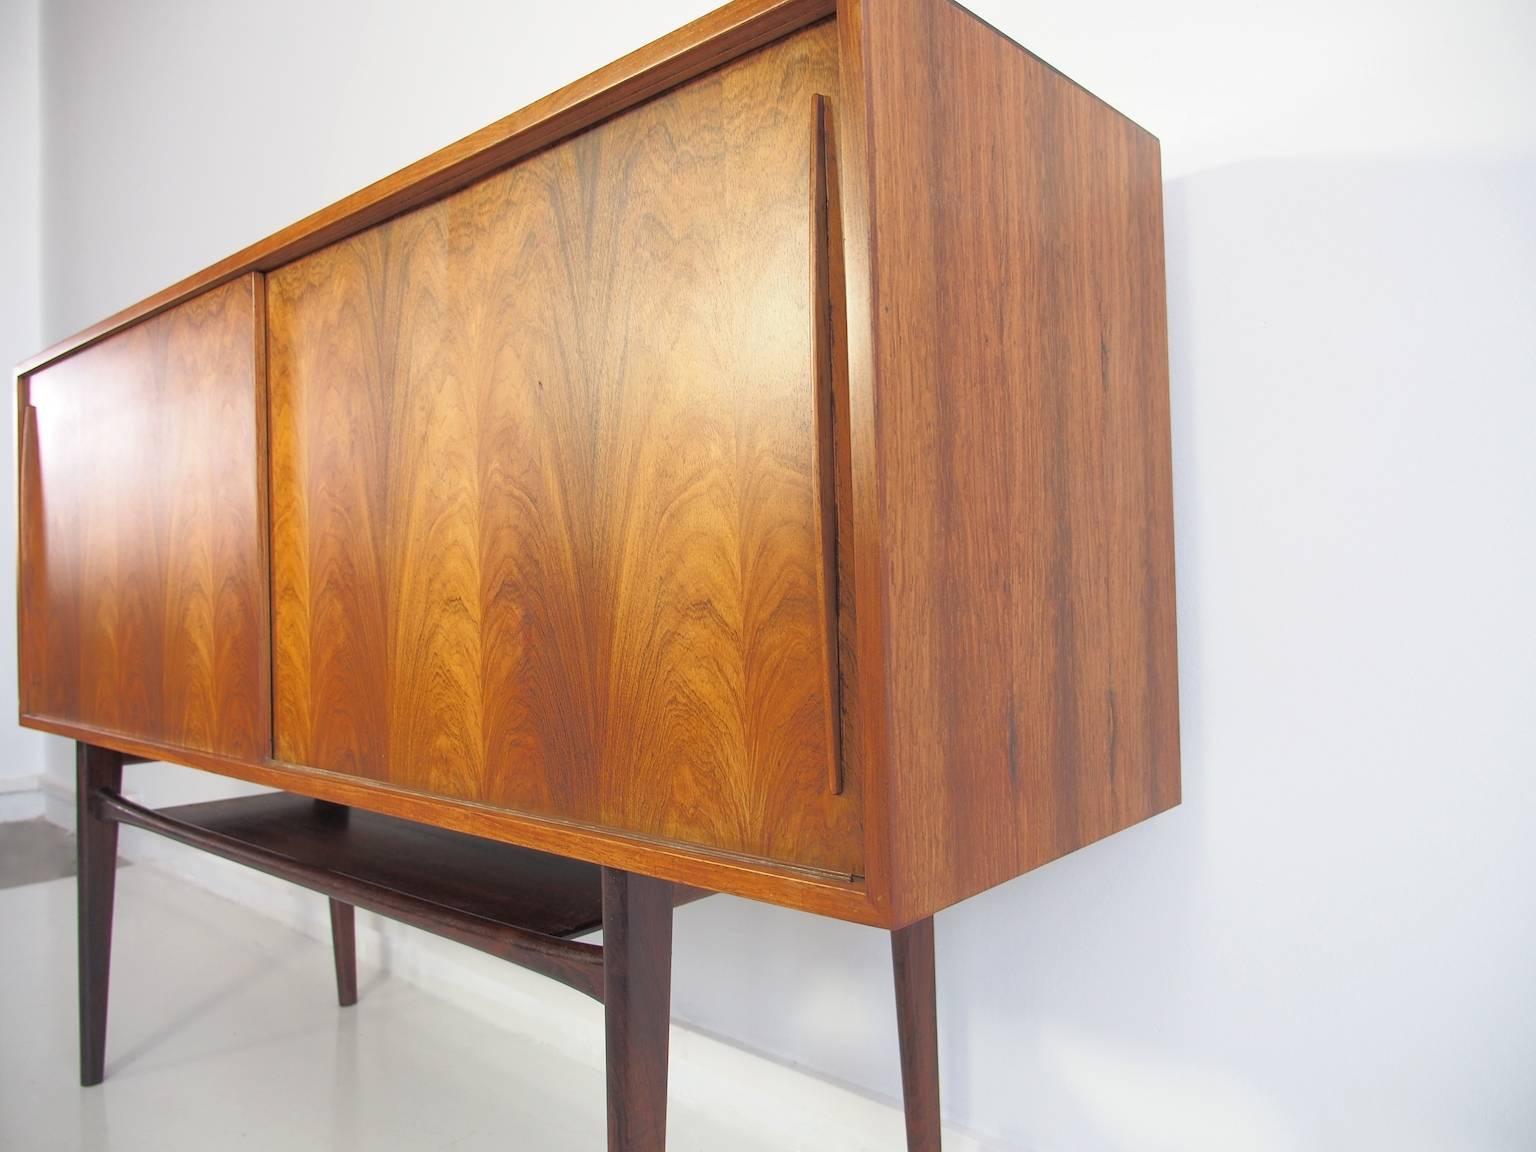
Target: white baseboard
[21, 797]
[707, 1073]
[58, 800]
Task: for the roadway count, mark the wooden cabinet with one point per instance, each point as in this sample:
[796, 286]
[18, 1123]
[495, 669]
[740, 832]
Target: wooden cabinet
[748, 466]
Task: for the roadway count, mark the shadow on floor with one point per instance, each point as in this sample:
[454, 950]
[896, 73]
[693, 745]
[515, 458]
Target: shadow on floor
[32, 851]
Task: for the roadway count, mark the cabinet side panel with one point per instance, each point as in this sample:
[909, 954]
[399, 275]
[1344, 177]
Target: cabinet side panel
[142, 582]
[1023, 446]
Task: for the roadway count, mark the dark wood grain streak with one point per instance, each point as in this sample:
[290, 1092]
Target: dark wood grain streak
[637, 971]
[829, 372]
[551, 495]
[142, 591]
[1023, 457]
[564, 511]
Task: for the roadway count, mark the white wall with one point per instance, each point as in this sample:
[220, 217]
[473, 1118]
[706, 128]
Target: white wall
[21, 752]
[1331, 944]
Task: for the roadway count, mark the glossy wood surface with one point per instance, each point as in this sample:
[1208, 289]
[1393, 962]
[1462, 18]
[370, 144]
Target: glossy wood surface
[947, 538]
[1023, 455]
[142, 573]
[550, 482]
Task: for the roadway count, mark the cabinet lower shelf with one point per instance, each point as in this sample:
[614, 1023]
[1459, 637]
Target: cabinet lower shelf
[524, 906]
[521, 905]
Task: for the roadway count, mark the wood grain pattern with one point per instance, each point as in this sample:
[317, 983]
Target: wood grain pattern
[545, 484]
[487, 570]
[142, 579]
[1023, 457]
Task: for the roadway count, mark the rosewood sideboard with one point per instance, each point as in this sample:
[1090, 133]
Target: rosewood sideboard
[746, 469]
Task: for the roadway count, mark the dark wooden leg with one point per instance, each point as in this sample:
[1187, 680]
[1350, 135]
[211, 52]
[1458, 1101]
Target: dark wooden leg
[95, 881]
[637, 995]
[917, 1025]
[344, 945]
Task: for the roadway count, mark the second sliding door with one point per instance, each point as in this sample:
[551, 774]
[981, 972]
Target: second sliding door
[546, 493]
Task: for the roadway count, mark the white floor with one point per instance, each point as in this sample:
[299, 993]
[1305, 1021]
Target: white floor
[224, 1034]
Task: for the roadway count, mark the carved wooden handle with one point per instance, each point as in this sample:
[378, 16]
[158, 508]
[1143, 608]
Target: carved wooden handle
[828, 337]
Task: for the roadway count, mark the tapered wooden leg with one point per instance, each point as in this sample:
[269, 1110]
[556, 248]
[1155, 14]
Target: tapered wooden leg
[344, 945]
[637, 998]
[95, 882]
[917, 1025]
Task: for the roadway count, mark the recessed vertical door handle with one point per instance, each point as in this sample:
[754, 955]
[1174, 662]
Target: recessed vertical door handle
[26, 434]
[829, 376]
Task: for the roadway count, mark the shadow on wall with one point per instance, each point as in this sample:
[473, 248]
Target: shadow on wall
[1329, 946]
